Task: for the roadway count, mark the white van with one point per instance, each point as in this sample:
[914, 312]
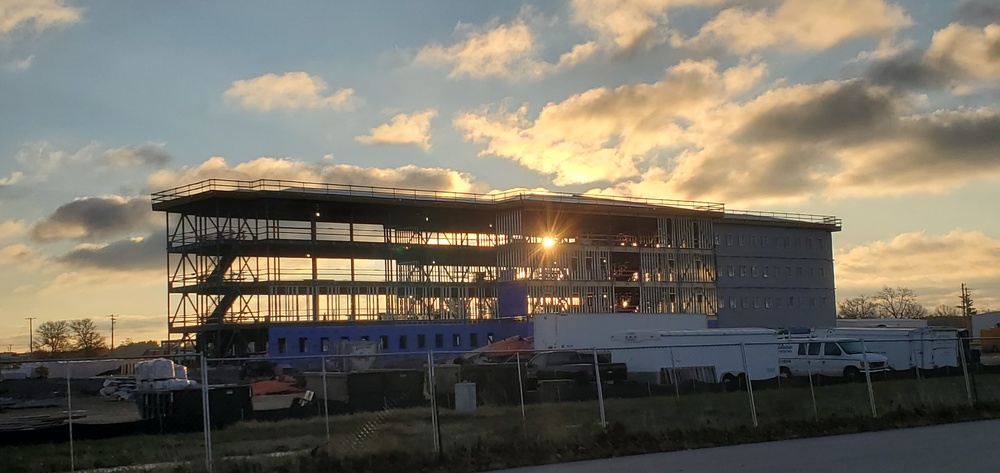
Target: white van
[828, 357]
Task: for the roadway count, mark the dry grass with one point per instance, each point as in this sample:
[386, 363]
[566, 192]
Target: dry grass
[549, 432]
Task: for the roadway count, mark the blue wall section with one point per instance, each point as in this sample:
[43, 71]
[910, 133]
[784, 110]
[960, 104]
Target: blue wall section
[400, 338]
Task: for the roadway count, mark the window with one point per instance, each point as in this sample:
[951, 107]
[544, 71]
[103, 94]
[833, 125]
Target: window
[402, 342]
[753, 270]
[438, 340]
[421, 340]
[717, 239]
[303, 343]
[788, 271]
[729, 239]
[778, 301]
[743, 271]
[822, 272]
[753, 240]
[384, 340]
[802, 349]
[743, 239]
[756, 303]
[798, 242]
[345, 337]
[788, 242]
[282, 345]
[809, 243]
[489, 337]
[831, 349]
[456, 340]
[791, 302]
[814, 348]
[364, 338]
[812, 272]
[765, 271]
[474, 340]
[763, 240]
[822, 301]
[732, 302]
[798, 271]
[731, 270]
[812, 302]
[744, 302]
[767, 302]
[324, 344]
[722, 303]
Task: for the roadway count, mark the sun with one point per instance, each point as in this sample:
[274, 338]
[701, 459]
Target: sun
[548, 242]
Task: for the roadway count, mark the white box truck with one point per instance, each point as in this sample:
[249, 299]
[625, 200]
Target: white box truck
[709, 355]
[586, 331]
[925, 348]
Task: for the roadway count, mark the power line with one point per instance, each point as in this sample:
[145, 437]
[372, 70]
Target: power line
[31, 336]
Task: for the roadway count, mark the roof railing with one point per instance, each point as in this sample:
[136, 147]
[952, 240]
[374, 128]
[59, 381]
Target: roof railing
[275, 185]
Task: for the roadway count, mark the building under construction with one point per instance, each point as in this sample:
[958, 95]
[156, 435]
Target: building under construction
[253, 264]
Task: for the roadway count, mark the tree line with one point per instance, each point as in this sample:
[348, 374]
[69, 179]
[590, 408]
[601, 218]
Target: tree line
[70, 336]
[898, 303]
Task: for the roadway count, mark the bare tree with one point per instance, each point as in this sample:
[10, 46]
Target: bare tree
[87, 338]
[861, 307]
[899, 303]
[53, 334]
[945, 310]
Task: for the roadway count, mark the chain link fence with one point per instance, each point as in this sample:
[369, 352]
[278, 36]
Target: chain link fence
[188, 411]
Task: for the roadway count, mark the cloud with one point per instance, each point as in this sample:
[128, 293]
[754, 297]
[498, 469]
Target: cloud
[41, 159]
[960, 56]
[799, 24]
[294, 170]
[291, 90]
[95, 217]
[979, 12]
[20, 64]
[18, 254]
[136, 253]
[14, 178]
[931, 265]
[37, 15]
[137, 155]
[625, 26]
[12, 228]
[603, 134]
[838, 138]
[414, 129]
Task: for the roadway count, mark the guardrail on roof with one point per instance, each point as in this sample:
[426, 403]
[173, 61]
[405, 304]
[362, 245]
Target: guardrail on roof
[275, 185]
[783, 216]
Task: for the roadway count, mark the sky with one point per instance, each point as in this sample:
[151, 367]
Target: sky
[883, 113]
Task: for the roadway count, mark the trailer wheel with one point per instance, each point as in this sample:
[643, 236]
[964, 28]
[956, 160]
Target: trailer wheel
[784, 372]
[729, 383]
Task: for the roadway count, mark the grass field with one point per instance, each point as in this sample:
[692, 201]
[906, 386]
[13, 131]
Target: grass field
[496, 436]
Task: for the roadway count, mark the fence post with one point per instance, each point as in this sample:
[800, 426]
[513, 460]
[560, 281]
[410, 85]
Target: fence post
[812, 390]
[965, 371]
[69, 414]
[205, 415]
[435, 426]
[600, 389]
[868, 378]
[326, 402]
[673, 370]
[520, 386]
[746, 376]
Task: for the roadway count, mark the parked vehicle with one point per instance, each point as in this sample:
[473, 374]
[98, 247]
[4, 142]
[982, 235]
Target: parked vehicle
[925, 348]
[724, 356]
[832, 357]
[577, 366]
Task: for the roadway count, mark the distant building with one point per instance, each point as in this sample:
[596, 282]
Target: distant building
[295, 268]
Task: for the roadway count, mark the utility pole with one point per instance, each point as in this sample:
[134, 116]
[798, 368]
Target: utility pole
[31, 336]
[113, 318]
[966, 299]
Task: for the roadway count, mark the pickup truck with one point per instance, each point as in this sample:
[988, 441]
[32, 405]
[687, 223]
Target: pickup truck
[577, 366]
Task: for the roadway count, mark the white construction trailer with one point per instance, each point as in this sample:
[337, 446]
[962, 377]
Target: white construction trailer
[723, 356]
[587, 331]
[926, 348]
[889, 323]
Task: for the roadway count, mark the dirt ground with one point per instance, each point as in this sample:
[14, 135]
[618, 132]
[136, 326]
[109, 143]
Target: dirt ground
[95, 409]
